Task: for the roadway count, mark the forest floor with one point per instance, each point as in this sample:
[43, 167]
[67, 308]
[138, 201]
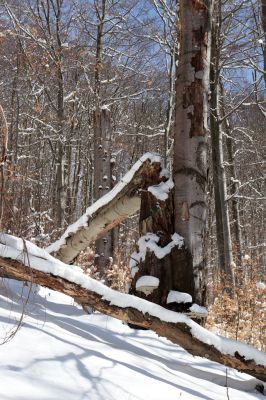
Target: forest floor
[61, 353]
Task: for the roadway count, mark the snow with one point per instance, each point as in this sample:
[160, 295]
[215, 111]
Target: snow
[147, 280]
[195, 308]
[105, 107]
[39, 259]
[161, 190]
[178, 297]
[62, 353]
[149, 241]
[165, 173]
[83, 220]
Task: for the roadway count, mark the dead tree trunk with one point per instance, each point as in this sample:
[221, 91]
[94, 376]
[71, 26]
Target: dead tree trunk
[176, 327]
[108, 211]
[167, 262]
[190, 148]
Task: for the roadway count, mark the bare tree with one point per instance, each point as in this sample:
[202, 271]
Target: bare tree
[190, 149]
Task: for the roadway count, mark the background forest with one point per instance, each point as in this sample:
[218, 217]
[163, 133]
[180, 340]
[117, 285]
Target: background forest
[87, 87]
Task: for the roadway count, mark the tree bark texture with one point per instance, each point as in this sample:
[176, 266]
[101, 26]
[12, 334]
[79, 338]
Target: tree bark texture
[190, 148]
[102, 179]
[179, 333]
[109, 214]
[172, 270]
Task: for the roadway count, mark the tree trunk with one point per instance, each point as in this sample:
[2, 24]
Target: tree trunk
[234, 184]
[102, 145]
[190, 148]
[157, 217]
[61, 195]
[223, 234]
[108, 211]
[263, 23]
[3, 156]
[180, 330]
[103, 180]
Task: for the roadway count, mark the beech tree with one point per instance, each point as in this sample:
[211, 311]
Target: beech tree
[130, 81]
[184, 270]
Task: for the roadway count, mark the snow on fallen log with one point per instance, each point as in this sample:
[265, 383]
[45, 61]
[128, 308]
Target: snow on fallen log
[111, 209]
[23, 260]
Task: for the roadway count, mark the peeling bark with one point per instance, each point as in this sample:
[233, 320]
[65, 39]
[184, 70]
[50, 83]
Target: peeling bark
[178, 333]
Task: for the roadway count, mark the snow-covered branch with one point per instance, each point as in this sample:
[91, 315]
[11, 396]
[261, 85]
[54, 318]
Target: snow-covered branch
[111, 209]
[23, 260]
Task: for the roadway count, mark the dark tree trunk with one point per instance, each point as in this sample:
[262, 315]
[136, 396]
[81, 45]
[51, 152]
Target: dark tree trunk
[157, 217]
[103, 180]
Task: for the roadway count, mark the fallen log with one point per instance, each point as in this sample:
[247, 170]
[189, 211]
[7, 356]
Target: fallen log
[109, 211]
[25, 261]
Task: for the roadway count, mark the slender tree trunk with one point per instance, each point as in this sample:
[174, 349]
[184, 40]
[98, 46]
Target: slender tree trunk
[190, 149]
[263, 23]
[223, 235]
[170, 106]
[3, 156]
[234, 184]
[103, 179]
[61, 195]
[102, 145]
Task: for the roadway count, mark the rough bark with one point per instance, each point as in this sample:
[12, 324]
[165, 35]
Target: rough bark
[178, 333]
[158, 217]
[190, 148]
[102, 179]
[102, 143]
[109, 214]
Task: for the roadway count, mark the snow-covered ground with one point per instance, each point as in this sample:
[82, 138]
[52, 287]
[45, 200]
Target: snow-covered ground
[61, 353]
